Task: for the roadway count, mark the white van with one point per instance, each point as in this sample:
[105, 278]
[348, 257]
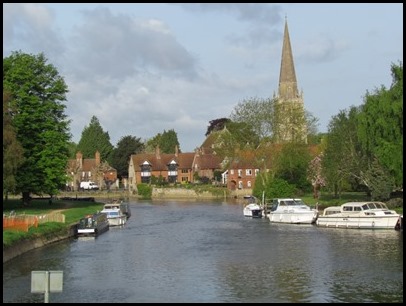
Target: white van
[89, 186]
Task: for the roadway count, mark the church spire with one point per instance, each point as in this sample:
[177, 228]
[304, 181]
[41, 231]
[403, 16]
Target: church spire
[287, 79]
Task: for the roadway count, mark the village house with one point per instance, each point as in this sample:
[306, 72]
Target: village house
[90, 169]
[171, 168]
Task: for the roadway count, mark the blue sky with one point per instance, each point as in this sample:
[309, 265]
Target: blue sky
[143, 68]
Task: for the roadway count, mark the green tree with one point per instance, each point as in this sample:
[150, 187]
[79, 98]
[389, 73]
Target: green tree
[37, 94]
[167, 141]
[292, 164]
[216, 125]
[275, 121]
[342, 158]
[380, 128]
[120, 158]
[13, 153]
[257, 113]
[93, 139]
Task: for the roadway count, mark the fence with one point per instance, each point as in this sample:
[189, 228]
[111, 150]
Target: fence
[24, 222]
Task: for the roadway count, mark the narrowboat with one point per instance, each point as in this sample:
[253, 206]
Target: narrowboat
[93, 224]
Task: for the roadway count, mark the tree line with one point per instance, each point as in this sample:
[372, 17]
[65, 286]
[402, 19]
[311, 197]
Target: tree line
[362, 150]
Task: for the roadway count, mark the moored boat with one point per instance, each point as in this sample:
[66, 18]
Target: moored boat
[93, 225]
[291, 211]
[117, 212]
[252, 210]
[368, 215]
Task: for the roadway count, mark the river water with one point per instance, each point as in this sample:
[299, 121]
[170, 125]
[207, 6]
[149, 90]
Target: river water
[207, 251]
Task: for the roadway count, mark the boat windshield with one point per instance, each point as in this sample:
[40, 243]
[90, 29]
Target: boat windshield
[86, 222]
[292, 202]
[112, 214]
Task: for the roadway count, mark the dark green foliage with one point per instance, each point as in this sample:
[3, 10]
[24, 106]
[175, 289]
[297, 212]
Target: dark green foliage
[380, 127]
[216, 125]
[93, 139]
[144, 190]
[167, 142]
[292, 165]
[13, 153]
[280, 189]
[38, 94]
[120, 157]
[273, 187]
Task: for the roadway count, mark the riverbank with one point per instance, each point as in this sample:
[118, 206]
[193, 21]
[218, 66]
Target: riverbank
[26, 245]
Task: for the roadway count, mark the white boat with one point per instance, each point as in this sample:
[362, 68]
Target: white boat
[93, 225]
[291, 211]
[117, 213]
[370, 215]
[252, 210]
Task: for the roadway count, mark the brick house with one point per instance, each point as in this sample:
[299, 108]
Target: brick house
[89, 169]
[172, 168]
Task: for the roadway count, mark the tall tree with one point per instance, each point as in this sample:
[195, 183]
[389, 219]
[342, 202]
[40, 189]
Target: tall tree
[380, 127]
[93, 139]
[256, 112]
[292, 163]
[216, 125]
[342, 158]
[13, 153]
[126, 146]
[38, 92]
[167, 141]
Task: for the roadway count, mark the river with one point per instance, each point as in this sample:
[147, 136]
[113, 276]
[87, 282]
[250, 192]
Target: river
[207, 251]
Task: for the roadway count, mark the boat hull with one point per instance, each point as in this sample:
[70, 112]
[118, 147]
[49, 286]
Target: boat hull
[377, 222]
[308, 217]
[117, 221]
[253, 210]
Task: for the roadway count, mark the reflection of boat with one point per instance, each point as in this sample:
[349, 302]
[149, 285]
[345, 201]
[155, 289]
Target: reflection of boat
[359, 215]
[117, 212]
[291, 211]
[93, 225]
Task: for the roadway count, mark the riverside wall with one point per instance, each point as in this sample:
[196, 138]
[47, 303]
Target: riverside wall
[26, 245]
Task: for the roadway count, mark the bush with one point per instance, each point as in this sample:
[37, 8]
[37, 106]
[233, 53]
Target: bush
[144, 190]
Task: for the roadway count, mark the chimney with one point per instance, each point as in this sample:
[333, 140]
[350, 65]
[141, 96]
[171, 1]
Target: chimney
[97, 158]
[176, 150]
[79, 159]
[157, 153]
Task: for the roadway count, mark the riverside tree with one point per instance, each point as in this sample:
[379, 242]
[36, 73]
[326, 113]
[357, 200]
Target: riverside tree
[37, 94]
[13, 153]
[93, 139]
[126, 146]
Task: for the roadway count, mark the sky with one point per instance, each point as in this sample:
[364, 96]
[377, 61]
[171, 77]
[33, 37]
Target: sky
[147, 68]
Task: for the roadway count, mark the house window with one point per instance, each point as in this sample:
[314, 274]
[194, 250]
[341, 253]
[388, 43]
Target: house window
[185, 170]
[248, 172]
[249, 184]
[256, 172]
[240, 185]
[239, 173]
[232, 171]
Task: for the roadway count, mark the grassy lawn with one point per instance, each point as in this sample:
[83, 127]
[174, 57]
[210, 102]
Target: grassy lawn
[73, 211]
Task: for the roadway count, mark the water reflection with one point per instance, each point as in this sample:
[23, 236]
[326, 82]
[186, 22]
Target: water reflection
[209, 252]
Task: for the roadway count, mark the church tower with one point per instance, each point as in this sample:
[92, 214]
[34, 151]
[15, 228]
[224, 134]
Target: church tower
[290, 120]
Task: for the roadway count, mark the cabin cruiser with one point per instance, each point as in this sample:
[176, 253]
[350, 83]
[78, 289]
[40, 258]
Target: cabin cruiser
[252, 209]
[117, 213]
[371, 215]
[286, 210]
